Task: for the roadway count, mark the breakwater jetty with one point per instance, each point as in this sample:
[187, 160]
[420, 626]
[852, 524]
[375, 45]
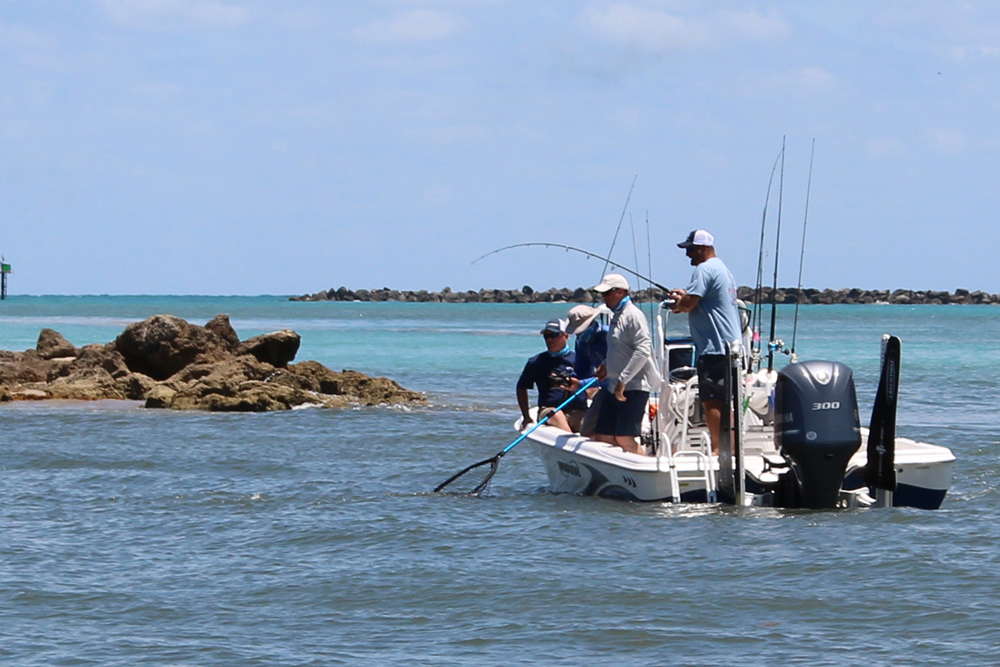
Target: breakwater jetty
[784, 295]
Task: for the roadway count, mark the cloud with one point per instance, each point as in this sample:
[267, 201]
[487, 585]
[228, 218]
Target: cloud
[656, 31]
[159, 91]
[33, 48]
[752, 25]
[199, 13]
[642, 29]
[884, 147]
[800, 80]
[417, 25]
[966, 54]
[947, 140]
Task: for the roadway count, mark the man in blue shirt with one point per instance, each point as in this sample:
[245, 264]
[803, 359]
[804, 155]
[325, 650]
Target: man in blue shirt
[591, 352]
[550, 373]
[713, 316]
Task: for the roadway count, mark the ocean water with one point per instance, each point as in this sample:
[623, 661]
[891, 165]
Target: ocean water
[132, 536]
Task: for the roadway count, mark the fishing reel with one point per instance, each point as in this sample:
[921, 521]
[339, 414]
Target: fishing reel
[561, 379]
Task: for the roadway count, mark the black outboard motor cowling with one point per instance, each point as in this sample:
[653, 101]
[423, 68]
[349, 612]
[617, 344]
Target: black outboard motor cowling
[816, 429]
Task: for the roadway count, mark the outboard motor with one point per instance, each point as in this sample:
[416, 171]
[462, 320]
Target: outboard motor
[817, 430]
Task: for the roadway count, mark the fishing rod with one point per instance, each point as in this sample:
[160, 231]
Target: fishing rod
[607, 260]
[649, 265]
[772, 344]
[620, 220]
[802, 254]
[635, 247]
[758, 308]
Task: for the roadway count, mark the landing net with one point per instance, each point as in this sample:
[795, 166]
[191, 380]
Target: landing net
[471, 481]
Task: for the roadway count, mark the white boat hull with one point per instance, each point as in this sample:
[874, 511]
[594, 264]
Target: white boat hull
[578, 465]
[575, 464]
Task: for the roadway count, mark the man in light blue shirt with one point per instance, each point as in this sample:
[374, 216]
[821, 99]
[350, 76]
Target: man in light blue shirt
[710, 301]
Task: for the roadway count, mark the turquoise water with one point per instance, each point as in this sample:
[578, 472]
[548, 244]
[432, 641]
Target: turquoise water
[310, 538]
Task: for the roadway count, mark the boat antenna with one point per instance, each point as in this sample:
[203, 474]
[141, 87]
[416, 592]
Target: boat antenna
[802, 254]
[572, 249]
[772, 343]
[620, 220]
[757, 305]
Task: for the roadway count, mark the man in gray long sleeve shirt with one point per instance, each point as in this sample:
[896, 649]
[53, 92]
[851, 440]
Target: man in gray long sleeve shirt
[630, 374]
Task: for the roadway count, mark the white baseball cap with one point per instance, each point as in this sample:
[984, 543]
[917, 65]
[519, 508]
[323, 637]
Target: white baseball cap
[697, 237]
[610, 282]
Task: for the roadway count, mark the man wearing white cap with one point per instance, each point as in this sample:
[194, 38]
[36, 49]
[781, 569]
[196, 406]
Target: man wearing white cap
[551, 372]
[713, 316]
[628, 370]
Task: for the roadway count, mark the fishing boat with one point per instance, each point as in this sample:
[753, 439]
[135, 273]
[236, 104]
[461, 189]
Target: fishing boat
[789, 438]
[794, 440]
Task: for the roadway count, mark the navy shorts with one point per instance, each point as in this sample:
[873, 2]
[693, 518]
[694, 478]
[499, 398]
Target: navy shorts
[621, 417]
[712, 370]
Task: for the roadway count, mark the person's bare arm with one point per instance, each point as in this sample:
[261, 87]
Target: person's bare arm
[522, 402]
[684, 302]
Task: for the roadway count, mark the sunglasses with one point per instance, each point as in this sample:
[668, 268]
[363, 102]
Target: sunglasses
[551, 334]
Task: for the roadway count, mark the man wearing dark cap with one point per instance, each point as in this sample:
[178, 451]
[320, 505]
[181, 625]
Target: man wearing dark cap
[713, 316]
[551, 372]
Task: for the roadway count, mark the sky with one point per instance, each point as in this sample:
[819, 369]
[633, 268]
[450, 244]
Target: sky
[291, 146]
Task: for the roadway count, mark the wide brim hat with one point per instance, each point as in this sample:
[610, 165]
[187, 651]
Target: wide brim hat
[581, 317]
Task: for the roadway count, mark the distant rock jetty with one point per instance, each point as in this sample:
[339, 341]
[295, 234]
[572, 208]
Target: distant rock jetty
[784, 295]
[169, 363]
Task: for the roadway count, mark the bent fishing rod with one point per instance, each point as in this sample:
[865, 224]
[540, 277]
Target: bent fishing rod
[589, 254]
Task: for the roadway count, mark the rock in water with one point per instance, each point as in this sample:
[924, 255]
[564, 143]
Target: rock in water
[220, 326]
[51, 345]
[164, 344]
[277, 348]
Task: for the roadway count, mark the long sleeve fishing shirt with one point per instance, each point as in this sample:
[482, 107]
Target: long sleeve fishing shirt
[630, 351]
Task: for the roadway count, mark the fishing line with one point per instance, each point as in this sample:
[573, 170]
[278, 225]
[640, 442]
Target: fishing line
[574, 249]
[620, 220]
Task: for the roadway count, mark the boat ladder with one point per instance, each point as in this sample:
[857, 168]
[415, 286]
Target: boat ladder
[702, 473]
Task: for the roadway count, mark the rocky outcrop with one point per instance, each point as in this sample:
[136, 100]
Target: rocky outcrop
[170, 363]
[581, 295]
[164, 344]
[51, 344]
[277, 348]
